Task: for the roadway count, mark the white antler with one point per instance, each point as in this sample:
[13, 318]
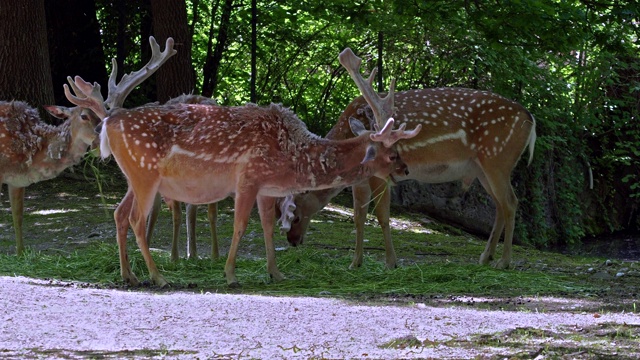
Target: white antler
[118, 93]
[86, 95]
[286, 208]
[382, 107]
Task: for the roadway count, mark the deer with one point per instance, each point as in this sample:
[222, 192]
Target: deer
[191, 210]
[32, 150]
[200, 154]
[468, 134]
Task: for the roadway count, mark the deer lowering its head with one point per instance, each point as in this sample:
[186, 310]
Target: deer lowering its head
[203, 153]
[33, 151]
[468, 134]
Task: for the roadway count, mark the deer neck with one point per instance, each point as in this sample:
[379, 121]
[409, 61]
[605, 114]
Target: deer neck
[58, 152]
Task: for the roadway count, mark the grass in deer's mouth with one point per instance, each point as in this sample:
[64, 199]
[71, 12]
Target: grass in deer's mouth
[433, 262]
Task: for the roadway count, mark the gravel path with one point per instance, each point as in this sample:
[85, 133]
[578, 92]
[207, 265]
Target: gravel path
[38, 319]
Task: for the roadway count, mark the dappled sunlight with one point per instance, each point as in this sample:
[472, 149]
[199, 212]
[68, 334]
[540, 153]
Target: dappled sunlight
[53, 211]
[414, 226]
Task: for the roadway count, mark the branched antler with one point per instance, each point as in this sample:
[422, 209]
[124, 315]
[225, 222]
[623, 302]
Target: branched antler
[382, 107]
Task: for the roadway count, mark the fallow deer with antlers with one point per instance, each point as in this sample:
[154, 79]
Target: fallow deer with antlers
[203, 153]
[467, 134]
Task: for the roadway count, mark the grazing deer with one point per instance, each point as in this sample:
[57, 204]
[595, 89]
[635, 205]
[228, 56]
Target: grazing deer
[32, 151]
[191, 210]
[203, 153]
[468, 134]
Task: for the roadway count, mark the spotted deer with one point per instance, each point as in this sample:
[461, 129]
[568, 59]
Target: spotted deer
[32, 150]
[203, 153]
[191, 210]
[467, 134]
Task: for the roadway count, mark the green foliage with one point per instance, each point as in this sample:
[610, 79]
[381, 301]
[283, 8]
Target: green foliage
[574, 65]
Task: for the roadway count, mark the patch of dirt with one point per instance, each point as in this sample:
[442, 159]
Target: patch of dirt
[62, 320]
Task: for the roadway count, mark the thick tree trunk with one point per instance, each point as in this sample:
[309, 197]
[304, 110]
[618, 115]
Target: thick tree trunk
[24, 54]
[176, 76]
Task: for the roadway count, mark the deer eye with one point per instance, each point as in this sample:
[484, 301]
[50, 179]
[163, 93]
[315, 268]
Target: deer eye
[84, 117]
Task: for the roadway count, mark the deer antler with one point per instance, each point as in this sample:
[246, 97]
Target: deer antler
[119, 92]
[89, 96]
[86, 95]
[286, 208]
[382, 107]
[388, 137]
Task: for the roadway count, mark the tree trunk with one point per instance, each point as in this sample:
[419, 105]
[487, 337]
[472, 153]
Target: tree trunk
[213, 63]
[75, 45]
[176, 76]
[24, 54]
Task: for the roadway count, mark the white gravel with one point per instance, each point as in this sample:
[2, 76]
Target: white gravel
[40, 320]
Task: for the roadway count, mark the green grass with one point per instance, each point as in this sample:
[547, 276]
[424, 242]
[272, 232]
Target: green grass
[435, 261]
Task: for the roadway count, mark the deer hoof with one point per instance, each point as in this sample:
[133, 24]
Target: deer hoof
[276, 277]
[131, 280]
[485, 258]
[160, 282]
[234, 285]
[503, 264]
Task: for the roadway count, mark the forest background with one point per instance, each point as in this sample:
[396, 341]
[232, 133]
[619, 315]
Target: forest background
[574, 64]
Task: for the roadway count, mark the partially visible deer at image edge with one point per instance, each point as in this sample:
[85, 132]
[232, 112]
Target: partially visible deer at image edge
[32, 150]
[467, 134]
[200, 154]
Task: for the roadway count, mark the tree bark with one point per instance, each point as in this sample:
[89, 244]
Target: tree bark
[176, 76]
[24, 54]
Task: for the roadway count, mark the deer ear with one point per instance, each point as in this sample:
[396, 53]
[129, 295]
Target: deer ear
[356, 126]
[60, 112]
[370, 155]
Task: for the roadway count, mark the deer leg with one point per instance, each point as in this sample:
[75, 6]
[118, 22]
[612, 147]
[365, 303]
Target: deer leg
[243, 204]
[498, 225]
[142, 204]
[267, 210]
[121, 216]
[509, 204]
[16, 201]
[382, 204]
[192, 251]
[153, 216]
[212, 214]
[176, 212]
[361, 197]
